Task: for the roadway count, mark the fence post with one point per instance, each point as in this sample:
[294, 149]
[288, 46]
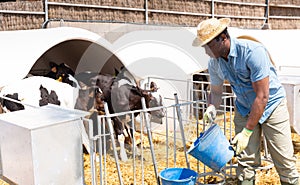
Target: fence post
[145, 114]
[111, 130]
[181, 129]
[146, 12]
[92, 150]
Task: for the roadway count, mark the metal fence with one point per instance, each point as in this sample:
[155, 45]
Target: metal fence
[160, 146]
[281, 14]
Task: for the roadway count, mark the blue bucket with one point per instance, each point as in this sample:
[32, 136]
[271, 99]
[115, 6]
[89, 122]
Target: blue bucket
[178, 176]
[212, 148]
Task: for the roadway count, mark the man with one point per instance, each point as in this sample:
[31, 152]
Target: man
[260, 104]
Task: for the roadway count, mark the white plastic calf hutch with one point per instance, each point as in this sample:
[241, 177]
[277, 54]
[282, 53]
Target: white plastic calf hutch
[30, 51]
[44, 145]
[292, 88]
[165, 56]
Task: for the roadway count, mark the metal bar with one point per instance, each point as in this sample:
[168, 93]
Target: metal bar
[179, 13]
[145, 114]
[129, 112]
[167, 139]
[92, 152]
[111, 130]
[127, 9]
[103, 125]
[97, 6]
[100, 141]
[283, 17]
[181, 130]
[142, 148]
[174, 137]
[188, 89]
[22, 12]
[82, 166]
[241, 17]
[237, 3]
[212, 8]
[146, 12]
[284, 6]
[46, 11]
[197, 127]
[133, 148]
[267, 11]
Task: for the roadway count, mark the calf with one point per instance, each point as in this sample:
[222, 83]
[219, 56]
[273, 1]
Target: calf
[62, 73]
[122, 96]
[34, 92]
[9, 105]
[31, 89]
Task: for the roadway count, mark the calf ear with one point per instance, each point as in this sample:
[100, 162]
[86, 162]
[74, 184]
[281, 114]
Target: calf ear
[153, 87]
[15, 96]
[44, 92]
[116, 72]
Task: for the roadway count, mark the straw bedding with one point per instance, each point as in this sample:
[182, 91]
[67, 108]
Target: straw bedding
[263, 177]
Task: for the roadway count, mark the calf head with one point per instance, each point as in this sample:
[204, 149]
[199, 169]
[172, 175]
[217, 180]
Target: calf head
[99, 103]
[154, 99]
[63, 74]
[90, 98]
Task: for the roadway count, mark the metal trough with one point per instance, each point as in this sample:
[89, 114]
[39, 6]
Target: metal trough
[291, 85]
[41, 146]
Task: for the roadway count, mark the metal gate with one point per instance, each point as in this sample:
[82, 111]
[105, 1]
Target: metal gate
[160, 146]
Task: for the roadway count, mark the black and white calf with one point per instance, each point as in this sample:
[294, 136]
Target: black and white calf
[36, 91]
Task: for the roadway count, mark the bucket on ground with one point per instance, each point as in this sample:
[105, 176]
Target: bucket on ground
[212, 148]
[178, 176]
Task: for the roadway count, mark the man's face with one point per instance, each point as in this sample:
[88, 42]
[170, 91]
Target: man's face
[214, 48]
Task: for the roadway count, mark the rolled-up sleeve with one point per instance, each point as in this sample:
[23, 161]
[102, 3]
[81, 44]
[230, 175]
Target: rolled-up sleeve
[259, 64]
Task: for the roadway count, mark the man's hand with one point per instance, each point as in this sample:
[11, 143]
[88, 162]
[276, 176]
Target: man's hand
[241, 140]
[210, 113]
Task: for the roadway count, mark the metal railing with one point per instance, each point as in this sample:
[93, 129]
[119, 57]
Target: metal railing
[181, 126]
[173, 135]
[148, 10]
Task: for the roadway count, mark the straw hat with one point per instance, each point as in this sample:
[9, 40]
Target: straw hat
[208, 29]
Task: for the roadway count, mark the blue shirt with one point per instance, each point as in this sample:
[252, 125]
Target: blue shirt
[248, 62]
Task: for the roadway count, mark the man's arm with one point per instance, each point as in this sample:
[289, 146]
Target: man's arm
[261, 88]
[215, 95]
